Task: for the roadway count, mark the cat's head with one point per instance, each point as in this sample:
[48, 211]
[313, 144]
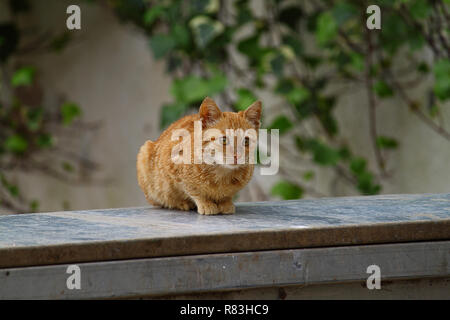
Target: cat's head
[229, 138]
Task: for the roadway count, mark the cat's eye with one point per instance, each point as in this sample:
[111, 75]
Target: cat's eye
[224, 140]
[247, 141]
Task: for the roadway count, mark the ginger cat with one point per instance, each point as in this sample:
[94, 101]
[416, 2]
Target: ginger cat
[210, 185]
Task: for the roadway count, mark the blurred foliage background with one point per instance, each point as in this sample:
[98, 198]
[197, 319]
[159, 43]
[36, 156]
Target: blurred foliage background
[299, 50]
[305, 54]
[34, 136]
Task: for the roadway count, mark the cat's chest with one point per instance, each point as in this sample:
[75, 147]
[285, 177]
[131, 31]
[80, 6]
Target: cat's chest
[224, 182]
[231, 183]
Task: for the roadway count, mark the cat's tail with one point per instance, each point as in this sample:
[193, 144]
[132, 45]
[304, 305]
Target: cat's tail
[143, 164]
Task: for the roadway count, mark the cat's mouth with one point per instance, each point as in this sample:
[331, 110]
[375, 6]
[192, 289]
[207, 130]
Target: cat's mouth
[233, 165]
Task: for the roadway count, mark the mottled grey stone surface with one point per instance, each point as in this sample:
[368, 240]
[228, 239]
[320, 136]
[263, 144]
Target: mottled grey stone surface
[144, 232]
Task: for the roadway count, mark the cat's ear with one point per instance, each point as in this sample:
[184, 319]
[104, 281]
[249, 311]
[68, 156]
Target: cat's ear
[253, 113]
[209, 112]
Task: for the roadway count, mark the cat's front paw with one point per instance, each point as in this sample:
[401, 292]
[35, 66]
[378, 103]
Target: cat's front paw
[207, 208]
[186, 206]
[227, 208]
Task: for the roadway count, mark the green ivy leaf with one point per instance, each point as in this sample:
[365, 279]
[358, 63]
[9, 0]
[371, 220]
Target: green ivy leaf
[328, 122]
[34, 205]
[312, 61]
[394, 33]
[441, 71]
[66, 166]
[284, 86]
[173, 62]
[13, 190]
[322, 154]
[300, 143]
[34, 118]
[344, 153]
[282, 123]
[382, 89]
[16, 144]
[23, 76]
[308, 175]
[344, 11]
[189, 89]
[290, 16]
[193, 88]
[433, 111]
[217, 83]
[69, 112]
[60, 42]
[358, 165]
[251, 48]
[170, 113]
[181, 36]
[205, 30]
[276, 64]
[423, 67]
[357, 61]
[245, 98]
[66, 205]
[44, 140]
[298, 95]
[366, 184]
[152, 14]
[161, 44]
[9, 39]
[245, 15]
[208, 6]
[294, 44]
[365, 179]
[420, 9]
[327, 28]
[294, 94]
[415, 40]
[287, 190]
[386, 142]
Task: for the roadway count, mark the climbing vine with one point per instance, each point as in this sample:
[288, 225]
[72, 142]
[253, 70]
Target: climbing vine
[35, 136]
[309, 54]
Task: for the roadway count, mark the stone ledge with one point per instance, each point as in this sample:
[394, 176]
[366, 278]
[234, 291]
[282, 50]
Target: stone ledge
[131, 233]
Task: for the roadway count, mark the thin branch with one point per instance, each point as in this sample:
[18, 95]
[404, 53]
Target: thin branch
[343, 173]
[419, 113]
[372, 104]
[350, 43]
[403, 11]
[56, 174]
[36, 44]
[444, 10]
[13, 207]
[85, 162]
[440, 28]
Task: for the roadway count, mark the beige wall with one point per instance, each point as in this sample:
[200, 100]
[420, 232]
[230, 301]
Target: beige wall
[110, 72]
